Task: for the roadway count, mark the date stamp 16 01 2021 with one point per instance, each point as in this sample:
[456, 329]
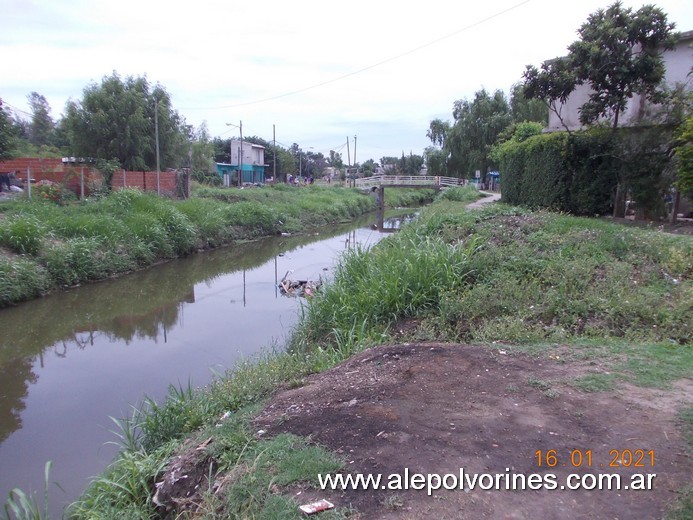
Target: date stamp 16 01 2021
[586, 458]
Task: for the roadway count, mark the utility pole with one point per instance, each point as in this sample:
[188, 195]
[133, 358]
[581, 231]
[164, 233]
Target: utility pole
[274, 148]
[156, 130]
[357, 169]
[240, 159]
[348, 153]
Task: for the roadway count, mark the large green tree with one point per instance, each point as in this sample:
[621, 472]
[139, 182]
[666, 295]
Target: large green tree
[524, 109]
[436, 161]
[477, 126]
[42, 127]
[619, 55]
[7, 133]
[118, 119]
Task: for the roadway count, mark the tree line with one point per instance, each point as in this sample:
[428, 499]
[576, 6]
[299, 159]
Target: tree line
[618, 55]
[117, 121]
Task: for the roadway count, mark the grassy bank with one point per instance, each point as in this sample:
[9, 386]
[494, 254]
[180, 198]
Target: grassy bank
[535, 281]
[45, 246]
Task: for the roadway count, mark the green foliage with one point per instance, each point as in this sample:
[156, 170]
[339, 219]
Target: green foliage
[595, 288]
[368, 293]
[27, 507]
[436, 161]
[125, 489]
[107, 168]
[684, 158]
[115, 120]
[526, 109]
[128, 229]
[534, 171]
[8, 138]
[41, 129]
[74, 260]
[460, 194]
[618, 55]
[23, 234]
[281, 461]
[477, 125]
[578, 172]
[21, 279]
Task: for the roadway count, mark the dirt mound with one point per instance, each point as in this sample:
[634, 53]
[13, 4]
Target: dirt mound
[437, 408]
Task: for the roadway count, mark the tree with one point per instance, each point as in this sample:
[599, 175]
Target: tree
[436, 160]
[7, 134]
[42, 127]
[438, 131]
[477, 126]
[684, 157]
[201, 150]
[618, 56]
[335, 160]
[368, 167]
[116, 120]
[524, 109]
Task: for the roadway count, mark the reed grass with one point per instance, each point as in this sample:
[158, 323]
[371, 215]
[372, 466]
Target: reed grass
[127, 230]
[530, 279]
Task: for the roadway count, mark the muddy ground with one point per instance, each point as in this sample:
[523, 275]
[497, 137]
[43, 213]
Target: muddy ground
[436, 408]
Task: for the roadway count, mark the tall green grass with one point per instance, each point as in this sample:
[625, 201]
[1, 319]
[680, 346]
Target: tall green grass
[404, 276]
[128, 229]
[529, 279]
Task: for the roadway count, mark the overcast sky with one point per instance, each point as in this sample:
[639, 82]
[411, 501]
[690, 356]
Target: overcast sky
[321, 71]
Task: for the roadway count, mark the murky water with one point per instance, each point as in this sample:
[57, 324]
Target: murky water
[70, 361]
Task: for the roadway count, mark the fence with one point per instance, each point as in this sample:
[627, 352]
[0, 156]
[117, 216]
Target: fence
[81, 179]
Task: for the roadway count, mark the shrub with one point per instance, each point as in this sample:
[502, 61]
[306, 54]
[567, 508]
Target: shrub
[22, 234]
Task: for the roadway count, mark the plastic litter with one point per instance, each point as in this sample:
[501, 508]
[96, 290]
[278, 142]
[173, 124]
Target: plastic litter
[316, 507]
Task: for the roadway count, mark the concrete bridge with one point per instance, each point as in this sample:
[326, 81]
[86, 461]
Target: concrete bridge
[377, 184]
[407, 181]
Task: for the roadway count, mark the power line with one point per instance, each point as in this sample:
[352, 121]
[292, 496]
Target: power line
[15, 109]
[369, 67]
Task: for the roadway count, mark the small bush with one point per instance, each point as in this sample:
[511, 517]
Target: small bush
[21, 279]
[22, 234]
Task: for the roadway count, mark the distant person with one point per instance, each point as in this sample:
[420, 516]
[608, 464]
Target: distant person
[5, 179]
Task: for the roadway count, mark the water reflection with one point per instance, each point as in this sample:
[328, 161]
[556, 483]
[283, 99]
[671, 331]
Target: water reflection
[72, 359]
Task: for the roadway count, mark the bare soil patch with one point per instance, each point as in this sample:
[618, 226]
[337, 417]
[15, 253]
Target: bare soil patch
[436, 408]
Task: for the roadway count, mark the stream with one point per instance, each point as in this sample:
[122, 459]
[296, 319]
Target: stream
[73, 359]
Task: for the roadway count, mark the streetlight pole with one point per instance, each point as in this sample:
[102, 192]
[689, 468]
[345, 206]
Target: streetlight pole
[240, 153]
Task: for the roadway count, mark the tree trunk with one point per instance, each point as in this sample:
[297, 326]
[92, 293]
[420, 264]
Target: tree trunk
[620, 202]
[675, 207]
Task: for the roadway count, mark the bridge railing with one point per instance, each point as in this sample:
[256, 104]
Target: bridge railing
[406, 180]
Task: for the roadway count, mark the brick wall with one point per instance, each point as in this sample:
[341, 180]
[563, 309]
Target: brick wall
[146, 181]
[70, 175]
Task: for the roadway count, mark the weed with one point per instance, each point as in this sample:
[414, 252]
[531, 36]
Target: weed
[685, 421]
[27, 507]
[392, 502]
[594, 383]
[538, 383]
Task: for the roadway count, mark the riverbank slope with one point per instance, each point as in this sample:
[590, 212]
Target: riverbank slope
[46, 246]
[499, 340]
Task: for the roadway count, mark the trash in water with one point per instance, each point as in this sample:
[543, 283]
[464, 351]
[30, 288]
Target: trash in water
[304, 288]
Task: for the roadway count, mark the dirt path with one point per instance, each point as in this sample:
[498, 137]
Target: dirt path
[490, 197]
[436, 408]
